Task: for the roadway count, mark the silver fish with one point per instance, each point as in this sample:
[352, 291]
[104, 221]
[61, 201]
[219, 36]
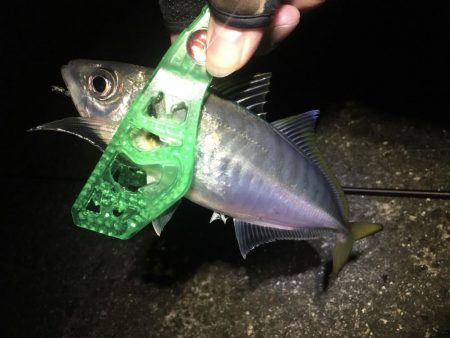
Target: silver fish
[269, 177]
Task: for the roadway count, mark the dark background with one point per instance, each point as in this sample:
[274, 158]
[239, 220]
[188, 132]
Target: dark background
[388, 56]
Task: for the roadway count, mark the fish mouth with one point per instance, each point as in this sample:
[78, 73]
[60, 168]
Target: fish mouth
[74, 87]
[60, 90]
[69, 79]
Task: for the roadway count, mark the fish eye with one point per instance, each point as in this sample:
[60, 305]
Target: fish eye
[102, 84]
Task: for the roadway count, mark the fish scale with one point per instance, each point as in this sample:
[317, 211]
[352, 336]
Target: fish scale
[265, 183]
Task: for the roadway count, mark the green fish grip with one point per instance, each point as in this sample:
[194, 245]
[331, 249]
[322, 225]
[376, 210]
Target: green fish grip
[149, 163]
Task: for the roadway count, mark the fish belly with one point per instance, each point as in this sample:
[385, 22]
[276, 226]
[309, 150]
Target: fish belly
[246, 170]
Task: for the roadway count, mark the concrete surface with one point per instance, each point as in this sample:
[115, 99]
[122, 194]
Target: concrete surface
[63, 281]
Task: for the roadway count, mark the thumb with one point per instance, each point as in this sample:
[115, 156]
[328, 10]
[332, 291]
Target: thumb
[230, 48]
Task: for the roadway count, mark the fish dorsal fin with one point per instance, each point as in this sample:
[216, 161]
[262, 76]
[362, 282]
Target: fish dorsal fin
[164, 218]
[249, 92]
[96, 131]
[249, 235]
[299, 131]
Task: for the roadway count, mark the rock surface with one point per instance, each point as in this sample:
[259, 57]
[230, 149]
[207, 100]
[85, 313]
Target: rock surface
[63, 281]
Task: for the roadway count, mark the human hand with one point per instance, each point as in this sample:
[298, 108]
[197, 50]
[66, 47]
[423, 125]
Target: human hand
[234, 38]
[230, 48]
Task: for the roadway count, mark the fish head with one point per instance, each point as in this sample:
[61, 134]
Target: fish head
[103, 89]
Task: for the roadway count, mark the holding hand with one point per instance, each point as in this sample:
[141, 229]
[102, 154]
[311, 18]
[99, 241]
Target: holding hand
[238, 28]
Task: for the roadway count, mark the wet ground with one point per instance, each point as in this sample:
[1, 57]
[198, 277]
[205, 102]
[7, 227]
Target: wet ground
[378, 72]
[192, 282]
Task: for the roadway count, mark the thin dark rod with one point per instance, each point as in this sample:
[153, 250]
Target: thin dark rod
[432, 194]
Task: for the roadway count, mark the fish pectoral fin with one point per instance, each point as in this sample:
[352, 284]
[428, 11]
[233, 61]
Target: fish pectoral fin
[164, 218]
[216, 216]
[343, 247]
[250, 235]
[96, 131]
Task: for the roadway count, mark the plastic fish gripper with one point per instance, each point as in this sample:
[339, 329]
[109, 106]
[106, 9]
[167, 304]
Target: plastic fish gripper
[148, 165]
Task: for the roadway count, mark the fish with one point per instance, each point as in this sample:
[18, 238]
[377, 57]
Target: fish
[270, 178]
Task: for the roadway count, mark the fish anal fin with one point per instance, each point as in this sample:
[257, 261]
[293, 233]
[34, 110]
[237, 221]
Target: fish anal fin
[250, 235]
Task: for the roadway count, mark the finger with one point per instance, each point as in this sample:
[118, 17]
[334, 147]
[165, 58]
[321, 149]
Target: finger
[285, 20]
[230, 48]
[173, 37]
[305, 4]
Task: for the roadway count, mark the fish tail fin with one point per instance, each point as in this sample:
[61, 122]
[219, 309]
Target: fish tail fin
[344, 246]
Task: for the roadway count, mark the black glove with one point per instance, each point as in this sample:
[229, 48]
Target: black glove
[178, 14]
[243, 13]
